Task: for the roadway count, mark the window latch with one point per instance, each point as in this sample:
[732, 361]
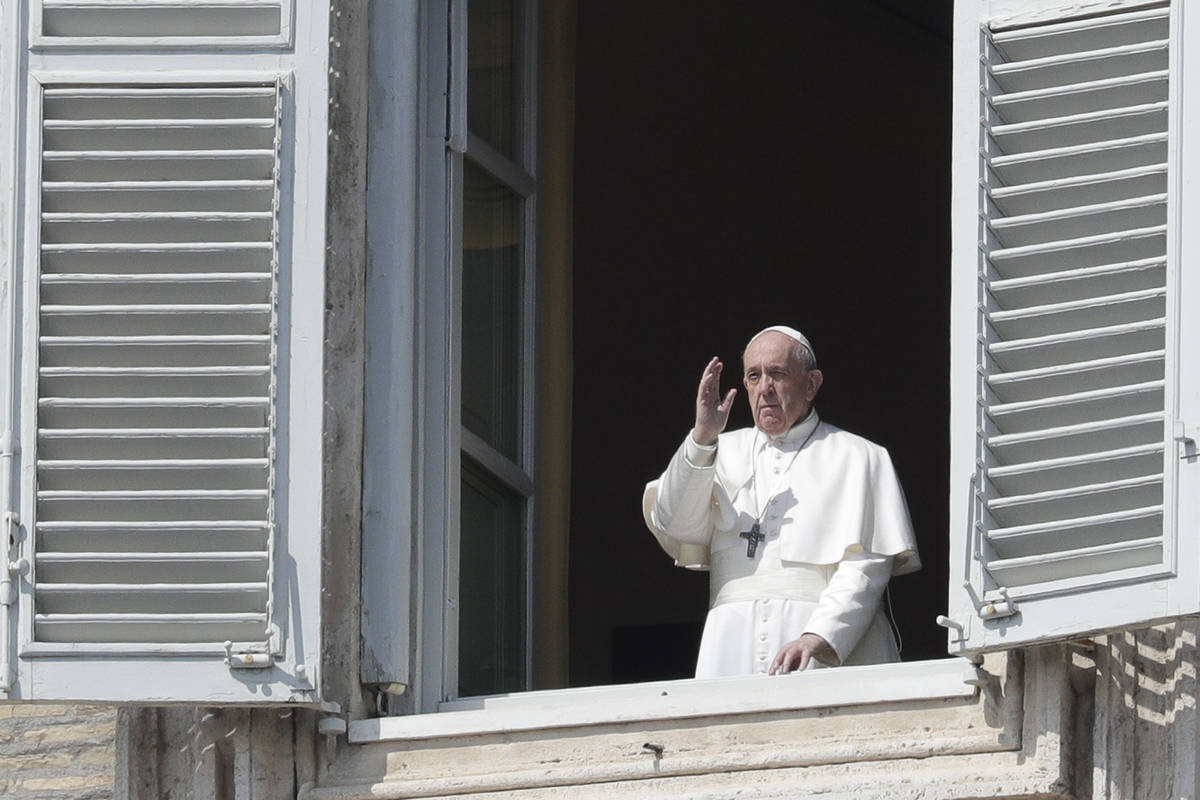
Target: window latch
[246, 660]
[997, 609]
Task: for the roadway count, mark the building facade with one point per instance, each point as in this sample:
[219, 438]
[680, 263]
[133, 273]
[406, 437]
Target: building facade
[287, 465]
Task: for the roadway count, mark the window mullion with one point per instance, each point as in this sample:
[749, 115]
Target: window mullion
[495, 462]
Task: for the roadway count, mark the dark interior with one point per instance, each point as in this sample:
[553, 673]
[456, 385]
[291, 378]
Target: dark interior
[739, 165]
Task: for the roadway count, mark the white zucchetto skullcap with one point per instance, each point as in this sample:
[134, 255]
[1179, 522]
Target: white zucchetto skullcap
[791, 333]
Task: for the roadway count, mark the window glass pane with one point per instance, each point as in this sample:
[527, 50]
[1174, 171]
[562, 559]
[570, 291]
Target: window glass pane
[491, 589]
[493, 62]
[491, 328]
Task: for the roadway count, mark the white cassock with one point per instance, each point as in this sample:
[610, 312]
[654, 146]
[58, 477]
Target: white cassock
[836, 528]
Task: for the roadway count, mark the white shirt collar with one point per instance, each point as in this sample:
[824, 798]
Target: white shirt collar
[797, 434]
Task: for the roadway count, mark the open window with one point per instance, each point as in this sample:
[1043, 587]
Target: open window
[1071, 436]
[673, 191]
[161, 468]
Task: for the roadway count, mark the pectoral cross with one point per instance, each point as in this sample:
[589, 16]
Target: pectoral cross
[752, 537]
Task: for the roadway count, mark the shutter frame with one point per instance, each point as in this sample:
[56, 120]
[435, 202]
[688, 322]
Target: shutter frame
[205, 670]
[1056, 604]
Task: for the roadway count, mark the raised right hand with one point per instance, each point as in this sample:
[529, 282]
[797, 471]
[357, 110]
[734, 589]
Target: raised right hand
[712, 412]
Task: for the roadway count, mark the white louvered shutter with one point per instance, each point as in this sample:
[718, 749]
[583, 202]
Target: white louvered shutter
[168, 506]
[1065, 458]
[156, 364]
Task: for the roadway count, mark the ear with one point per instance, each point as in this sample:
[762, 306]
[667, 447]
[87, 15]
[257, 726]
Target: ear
[815, 379]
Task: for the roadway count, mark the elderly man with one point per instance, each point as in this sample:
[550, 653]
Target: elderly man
[801, 523]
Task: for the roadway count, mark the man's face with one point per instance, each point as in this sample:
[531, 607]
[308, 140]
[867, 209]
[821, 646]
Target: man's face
[778, 387]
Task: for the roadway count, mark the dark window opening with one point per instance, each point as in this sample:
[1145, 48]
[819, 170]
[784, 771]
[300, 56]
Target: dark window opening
[739, 165]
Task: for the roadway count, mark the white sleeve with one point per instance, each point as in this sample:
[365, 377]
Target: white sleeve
[682, 508]
[848, 604]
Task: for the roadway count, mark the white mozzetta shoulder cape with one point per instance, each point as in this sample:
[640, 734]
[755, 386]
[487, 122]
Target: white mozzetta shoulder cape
[842, 495]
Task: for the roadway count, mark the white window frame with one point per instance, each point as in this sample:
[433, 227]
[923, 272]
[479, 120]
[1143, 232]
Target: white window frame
[413, 432]
[518, 174]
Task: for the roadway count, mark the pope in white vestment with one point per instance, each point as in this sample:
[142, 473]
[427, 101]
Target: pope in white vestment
[800, 523]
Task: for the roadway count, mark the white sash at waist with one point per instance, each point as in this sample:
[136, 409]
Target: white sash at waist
[735, 577]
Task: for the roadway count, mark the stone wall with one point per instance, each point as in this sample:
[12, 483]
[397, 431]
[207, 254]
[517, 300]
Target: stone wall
[55, 752]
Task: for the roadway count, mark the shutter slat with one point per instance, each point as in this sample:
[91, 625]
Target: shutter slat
[160, 248]
[183, 568]
[1065, 472]
[151, 372]
[1087, 313]
[136, 495]
[150, 630]
[1002, 254]
[1073, 223]
[1091, 437]
[126, 124]
[125, 589]
[1086, 532]
[1070, 161]
[1064, 69]
[1082, 98]
[153, 216]
[1066, 564]
[1070, 284]
[186, 94]
[1079, 190]
[1077, 501]
[1083, 129]
[1074, 430]
[1077, 408]
[148, 433]
[1085, 274]
[160, 22]
[1028, 384]
[1081, 36]
[1079, 345]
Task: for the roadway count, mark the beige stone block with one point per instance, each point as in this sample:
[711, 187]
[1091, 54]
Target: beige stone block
[71, 733]
[88, 757]
[78, 782]
[39, 710]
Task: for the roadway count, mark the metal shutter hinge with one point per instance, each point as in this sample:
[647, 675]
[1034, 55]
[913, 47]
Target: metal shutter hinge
[1186, 437]
[8, 593]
